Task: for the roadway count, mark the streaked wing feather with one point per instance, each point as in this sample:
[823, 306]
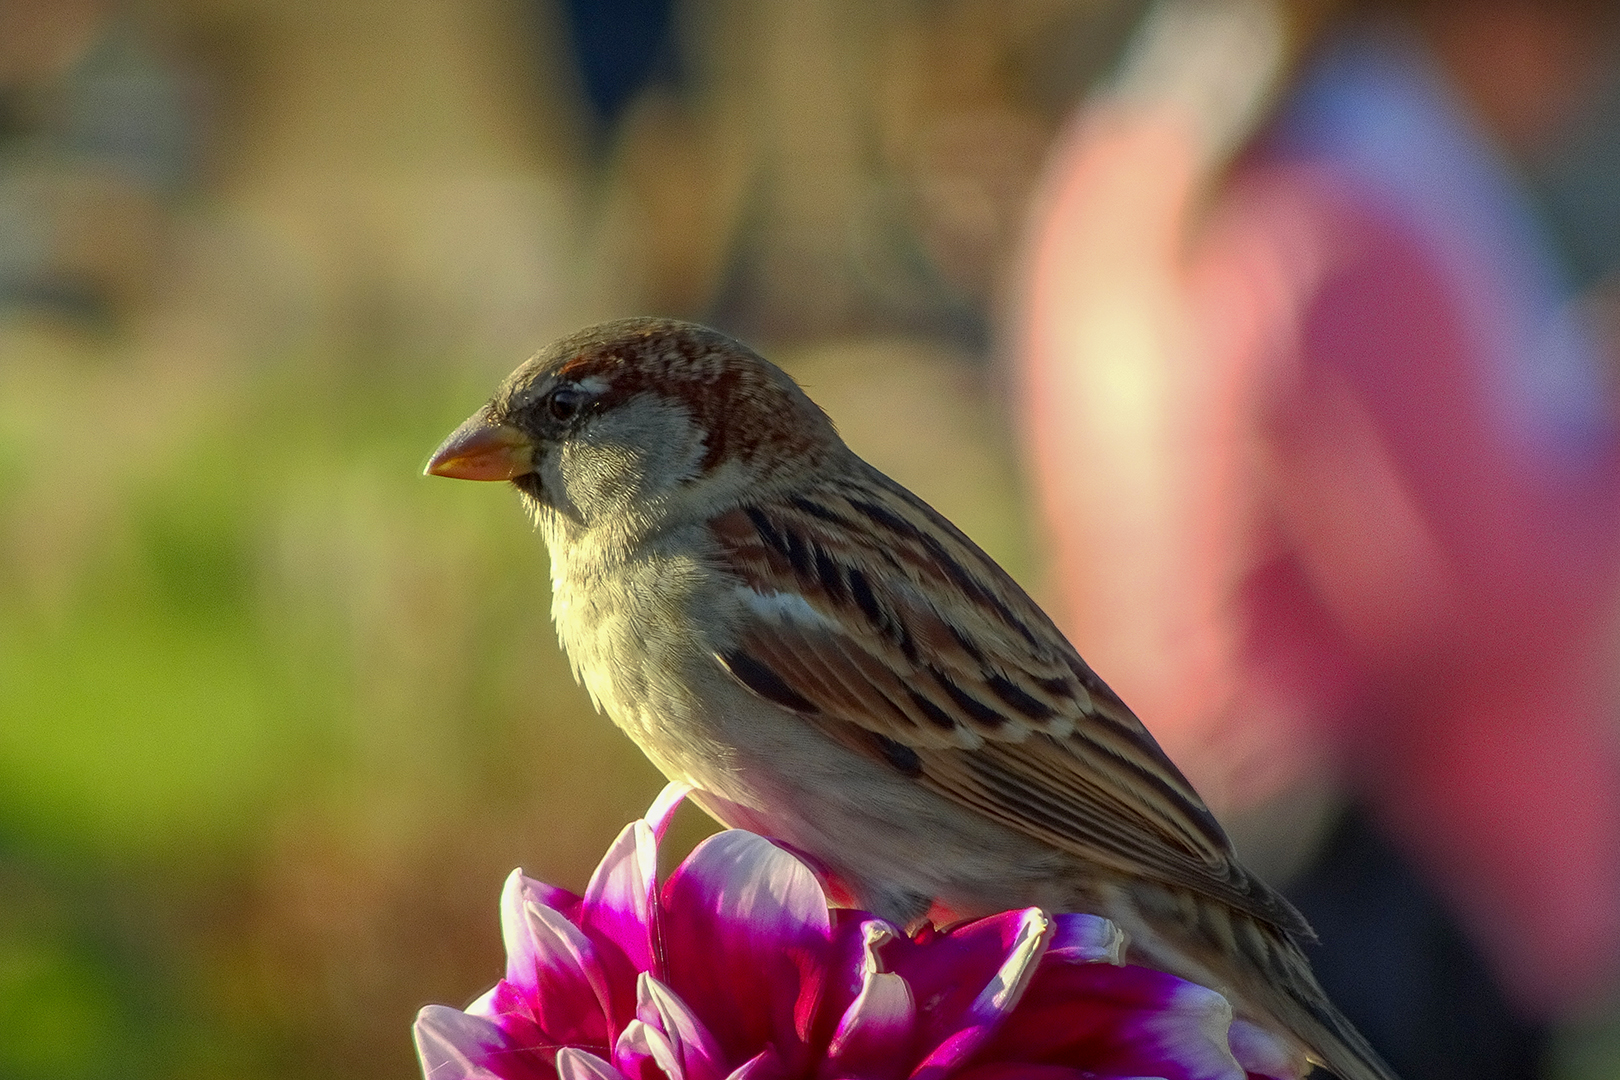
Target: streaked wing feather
[918, 649]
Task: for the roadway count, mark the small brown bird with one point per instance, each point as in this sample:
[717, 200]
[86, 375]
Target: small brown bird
[831, 663]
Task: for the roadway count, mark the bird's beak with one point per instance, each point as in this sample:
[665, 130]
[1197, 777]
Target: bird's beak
[482, 450]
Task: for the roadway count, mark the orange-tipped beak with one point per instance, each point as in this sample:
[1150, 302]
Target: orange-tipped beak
[480, 450]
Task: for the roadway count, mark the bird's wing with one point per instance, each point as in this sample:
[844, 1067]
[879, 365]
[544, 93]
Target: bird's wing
[874, 618]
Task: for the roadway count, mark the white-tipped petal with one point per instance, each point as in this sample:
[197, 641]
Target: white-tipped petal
[453, 1045]
[573, 1064]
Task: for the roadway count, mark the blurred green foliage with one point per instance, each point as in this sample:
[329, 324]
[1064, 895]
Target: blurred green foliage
[278, 714]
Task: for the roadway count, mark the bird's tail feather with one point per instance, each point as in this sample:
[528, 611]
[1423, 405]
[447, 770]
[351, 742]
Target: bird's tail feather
[1294, 997]
[1258, 966]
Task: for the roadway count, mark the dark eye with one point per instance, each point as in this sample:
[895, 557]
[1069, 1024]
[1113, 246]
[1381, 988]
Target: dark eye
[564, 402]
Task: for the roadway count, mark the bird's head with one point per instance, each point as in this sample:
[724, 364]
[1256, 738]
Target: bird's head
[631, 422]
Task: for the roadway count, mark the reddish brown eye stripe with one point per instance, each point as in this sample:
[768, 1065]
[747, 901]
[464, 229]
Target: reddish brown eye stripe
[731, 394]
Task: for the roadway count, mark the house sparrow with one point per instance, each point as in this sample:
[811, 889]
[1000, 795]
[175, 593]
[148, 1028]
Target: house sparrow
[829, 662]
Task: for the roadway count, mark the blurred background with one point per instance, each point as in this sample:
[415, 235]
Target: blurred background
[1269, 344]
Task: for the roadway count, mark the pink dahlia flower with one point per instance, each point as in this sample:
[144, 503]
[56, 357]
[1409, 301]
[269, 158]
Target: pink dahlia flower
[736, 969]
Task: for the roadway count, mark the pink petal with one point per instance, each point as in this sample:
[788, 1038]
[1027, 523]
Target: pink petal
[455, 1046]
[747, 931]
[695, 1049]
[947, 971]
[856, 937]
[746, 880]
[874, 1038]
[1261, 1053]
[643, 1053]
[552, 896]
[972, 1026]
[618, 901]
[1011, 1070]
[1119, 1021]
[764, 1065]
[519, 891]
[1194, 1031]
[568, 991]
[484, 1004]
[516, 1013]
[1084, 939]
[575, 1064]
[662, 810]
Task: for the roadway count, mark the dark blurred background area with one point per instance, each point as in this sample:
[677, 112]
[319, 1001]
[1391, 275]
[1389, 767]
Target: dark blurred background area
[277, 714]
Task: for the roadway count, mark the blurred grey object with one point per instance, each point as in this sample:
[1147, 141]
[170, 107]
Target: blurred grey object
[98, 136]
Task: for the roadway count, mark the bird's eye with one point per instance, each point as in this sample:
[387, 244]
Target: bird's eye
[564, 402]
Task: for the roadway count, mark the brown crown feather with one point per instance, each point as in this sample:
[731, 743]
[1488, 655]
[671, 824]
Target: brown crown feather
[743, 403]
